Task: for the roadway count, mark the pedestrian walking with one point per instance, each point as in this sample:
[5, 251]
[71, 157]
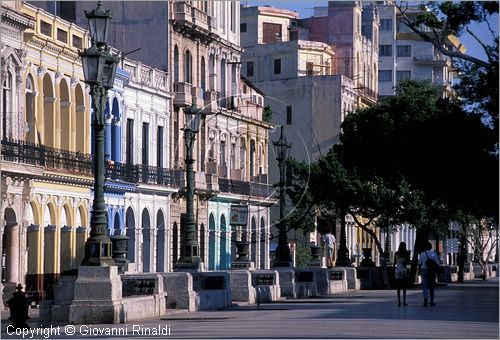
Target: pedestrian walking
[401, 262]
[429, 263]
[329, 244]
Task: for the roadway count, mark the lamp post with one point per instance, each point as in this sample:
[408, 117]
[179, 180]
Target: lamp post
[99, 69]
[282, 151]
[190, 254]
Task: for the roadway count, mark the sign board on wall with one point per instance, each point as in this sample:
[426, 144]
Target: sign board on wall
[239, 215]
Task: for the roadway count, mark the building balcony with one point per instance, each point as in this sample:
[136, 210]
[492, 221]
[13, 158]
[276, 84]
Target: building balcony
[18, 151]
[182, 12]
[211, 98]
[200, 18]
[211, 168]
[192, 21]
[432, 60]
[222, 171]
[183, 94]
[245, 188]
[75, 163]
[236, 174]
[198, 96]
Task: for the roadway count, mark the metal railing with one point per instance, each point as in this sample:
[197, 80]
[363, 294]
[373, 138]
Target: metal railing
[82, 164]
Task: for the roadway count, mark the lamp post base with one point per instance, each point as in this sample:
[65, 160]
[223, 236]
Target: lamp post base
[281, 264]
[191, 263]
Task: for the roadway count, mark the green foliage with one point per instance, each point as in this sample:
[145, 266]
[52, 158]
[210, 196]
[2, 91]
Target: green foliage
[267, 114]
[302, 256]
[446, 156]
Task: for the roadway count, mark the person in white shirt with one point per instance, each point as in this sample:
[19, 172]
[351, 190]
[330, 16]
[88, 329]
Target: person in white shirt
[428, 274]
[329, 244]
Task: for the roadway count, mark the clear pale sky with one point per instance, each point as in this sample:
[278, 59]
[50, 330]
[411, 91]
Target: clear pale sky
[305, 10]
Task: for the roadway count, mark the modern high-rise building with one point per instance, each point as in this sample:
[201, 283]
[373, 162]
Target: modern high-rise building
[404, 55]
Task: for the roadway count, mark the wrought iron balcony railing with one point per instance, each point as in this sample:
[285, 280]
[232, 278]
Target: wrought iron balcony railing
[81, 164]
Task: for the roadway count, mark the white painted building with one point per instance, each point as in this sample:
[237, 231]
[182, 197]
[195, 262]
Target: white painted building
[403, 54]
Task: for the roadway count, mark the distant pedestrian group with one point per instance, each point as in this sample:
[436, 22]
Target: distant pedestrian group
[428, 265]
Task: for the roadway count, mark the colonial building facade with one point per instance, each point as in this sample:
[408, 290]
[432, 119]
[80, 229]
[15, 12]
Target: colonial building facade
[46, 173]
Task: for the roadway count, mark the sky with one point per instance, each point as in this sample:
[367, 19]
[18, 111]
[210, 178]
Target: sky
[305, 10]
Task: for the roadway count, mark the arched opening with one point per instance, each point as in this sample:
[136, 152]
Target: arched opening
[10, 247]
[29, 104]
[130, 227]
[253, 242]
[117, 228]
[50, 270]
[211, 73]
[146, 241]
[49, 121]
[161, 253]
[203, 78]
[81, 126]
[175, 244]
[115, 131]
[211, 243]
[224, 252]
[81, 234]
[262, 243]
[176, 64]
[7, 106]
[223, 82]
[188, 68]
[33, 280]
[202, 242]
[66, 231]
[252, 159]
[66, 124]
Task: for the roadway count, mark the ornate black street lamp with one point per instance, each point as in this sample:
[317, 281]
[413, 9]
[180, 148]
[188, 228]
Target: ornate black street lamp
[190, 251]
[99, 69]
[282, 152]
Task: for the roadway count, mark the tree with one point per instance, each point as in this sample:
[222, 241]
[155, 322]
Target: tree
[445, 155]
[438, 23]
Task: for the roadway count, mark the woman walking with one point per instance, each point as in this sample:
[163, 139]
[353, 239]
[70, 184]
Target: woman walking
[401, 261]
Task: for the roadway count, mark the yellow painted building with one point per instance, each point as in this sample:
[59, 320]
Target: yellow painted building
[46, 170]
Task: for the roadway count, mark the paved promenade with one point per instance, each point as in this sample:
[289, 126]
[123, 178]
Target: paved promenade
[464, 311]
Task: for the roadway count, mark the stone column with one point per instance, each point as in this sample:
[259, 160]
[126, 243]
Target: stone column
[12, 258]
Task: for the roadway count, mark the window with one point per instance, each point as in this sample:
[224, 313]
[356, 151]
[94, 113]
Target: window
[385, 75]
[277, 66]
[385, 50]
[249, 68]
[402, 75]
[7, 104]
[62, 35]
[288, 115]
[309, 68]
[386, 24]
[130, 141]
[45, 28]
[271, 33]
[77, 41]
[145, 143]
[243, 27]
[404, 51]
[188, 68]
[159, 151]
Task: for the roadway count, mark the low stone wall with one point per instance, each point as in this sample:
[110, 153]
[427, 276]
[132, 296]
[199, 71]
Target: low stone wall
[241, 286]
[212, 289]
[179, 289]
[267, 285]
[337, 280]
[305, 283]
[287, 282]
